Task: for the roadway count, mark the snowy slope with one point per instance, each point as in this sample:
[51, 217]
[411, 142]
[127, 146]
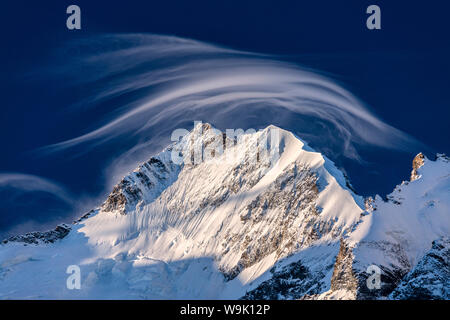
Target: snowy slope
[191, 230]
[429, 279]
[396, 233]
[234, 219]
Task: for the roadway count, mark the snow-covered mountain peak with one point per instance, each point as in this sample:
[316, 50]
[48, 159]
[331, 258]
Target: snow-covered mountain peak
[247, 202]
[251, 214]
[242, 200]
[270, 149]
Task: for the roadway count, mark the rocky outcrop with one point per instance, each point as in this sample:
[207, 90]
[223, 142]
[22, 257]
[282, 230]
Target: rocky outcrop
[418, 161]
[85, 216]
[393, 249]
[140, 187]
[38, 237]
[343, 275]
[291, 218]
[152, 177]
[293, 281]
[429, 279]
[391, 273]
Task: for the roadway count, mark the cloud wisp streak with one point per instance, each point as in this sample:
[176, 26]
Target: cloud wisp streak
[169, 79]
[31, 183]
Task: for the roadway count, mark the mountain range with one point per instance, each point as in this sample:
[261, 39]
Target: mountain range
[255, 216]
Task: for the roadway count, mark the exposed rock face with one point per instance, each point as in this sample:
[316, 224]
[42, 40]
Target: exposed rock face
[304, 275]
[140, 187]
[37, 237]
[391, 273]
[400, 228]
[429, 279]
[293, 281]
[418, 161]
[343, 275]
[85, 216]
[147, 182]
[294, 226]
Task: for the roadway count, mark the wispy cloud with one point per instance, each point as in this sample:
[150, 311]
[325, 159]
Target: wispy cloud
[31, 183]
[170, 79]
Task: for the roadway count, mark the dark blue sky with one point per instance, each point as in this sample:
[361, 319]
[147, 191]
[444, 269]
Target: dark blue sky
[401, 72]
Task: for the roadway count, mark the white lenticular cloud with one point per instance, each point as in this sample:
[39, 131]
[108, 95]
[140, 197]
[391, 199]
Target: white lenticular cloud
[169, 80]
[32, 183]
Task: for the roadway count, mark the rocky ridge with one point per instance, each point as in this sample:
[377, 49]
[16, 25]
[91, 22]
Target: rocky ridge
[274, 227]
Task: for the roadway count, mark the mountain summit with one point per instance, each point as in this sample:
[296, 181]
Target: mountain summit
[254, 215]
